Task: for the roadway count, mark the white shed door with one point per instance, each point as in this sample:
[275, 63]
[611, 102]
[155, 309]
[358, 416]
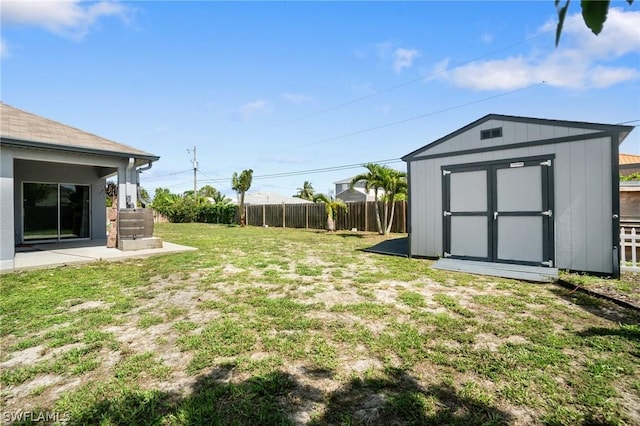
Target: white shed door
[500, 212]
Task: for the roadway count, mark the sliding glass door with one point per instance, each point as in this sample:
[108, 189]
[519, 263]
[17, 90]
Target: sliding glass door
[53, 211]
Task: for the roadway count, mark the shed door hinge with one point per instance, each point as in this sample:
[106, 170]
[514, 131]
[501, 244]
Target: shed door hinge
[548, 263]
[446, 172]
[445, 254]
[546, 163]
[446, 213]
[547, 213]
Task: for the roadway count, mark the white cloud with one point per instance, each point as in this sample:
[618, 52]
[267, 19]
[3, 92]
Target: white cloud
[403, 58]
[250, 109]
[486, 38]
[581, 61]
[389, 52]
[4, 49]
[296, 98]
[70, 18]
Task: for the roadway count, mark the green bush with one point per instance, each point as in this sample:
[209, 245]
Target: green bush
[217, 213]
[183, 208]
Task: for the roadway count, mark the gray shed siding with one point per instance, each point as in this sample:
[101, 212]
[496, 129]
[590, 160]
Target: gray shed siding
[582, 188]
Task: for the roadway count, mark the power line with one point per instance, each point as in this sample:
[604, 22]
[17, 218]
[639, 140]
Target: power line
[395, 123]
[169, 174]
[630, 121]
[314, 171]
[415, 80]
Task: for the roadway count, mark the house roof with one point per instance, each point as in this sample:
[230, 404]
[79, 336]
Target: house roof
[623, 130]
[21, 128]
[629, 159]
[346, 180]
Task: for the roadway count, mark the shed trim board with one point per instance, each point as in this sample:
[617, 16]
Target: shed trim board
[581, 191]
[616, 140]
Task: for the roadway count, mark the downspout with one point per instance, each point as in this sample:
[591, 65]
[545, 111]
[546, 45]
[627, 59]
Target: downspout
[128, 202]
[142, 200]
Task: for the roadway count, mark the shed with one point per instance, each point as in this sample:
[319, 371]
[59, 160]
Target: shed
[519, 190]
[52, 181]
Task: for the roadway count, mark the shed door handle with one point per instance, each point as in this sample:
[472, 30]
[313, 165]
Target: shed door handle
[495, 215]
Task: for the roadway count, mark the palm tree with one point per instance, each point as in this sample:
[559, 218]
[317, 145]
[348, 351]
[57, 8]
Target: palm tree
[373, 180]
[394, 184]
[306, 192]
[331, 205]
[220, 198]
[241, 184]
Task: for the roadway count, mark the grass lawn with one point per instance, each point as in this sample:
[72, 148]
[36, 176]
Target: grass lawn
[280, 326]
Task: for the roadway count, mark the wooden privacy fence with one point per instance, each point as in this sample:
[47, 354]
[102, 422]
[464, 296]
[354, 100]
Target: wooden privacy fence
[360, 215]
[630, 248]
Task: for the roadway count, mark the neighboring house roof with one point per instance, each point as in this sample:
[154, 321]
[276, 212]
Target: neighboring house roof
[347, 180]
[357, 194]
[359, 184]
[623, 130]
[270, 198]
[625, 159]
[21, 128]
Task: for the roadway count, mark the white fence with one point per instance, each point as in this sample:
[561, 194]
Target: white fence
[630, 246]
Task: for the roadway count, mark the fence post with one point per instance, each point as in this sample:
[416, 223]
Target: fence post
[284, 216]
[366, 219]
[404, 216]
[306, 210]
[264, 218]
[634, 246]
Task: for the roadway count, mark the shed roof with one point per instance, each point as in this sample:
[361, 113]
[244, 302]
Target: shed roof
[623, 130]
[21, 128]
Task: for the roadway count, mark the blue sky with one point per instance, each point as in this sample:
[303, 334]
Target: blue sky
[296, 86]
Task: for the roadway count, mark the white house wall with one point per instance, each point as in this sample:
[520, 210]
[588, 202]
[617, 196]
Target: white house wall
[582, 197]
[6, 212]
[512, 132]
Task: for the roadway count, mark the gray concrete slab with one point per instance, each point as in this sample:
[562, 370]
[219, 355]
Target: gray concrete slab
[51, 255]
[505, 270]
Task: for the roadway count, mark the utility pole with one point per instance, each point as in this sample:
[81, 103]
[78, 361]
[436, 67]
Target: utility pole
[195, 170]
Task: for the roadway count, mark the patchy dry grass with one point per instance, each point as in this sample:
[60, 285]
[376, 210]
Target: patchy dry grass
[273, 326]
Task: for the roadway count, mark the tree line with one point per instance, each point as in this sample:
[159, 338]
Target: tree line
[211, 206]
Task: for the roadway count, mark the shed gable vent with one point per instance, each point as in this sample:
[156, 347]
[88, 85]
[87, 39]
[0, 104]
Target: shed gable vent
[491, 133]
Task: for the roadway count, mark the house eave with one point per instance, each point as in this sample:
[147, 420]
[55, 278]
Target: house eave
[145, 157]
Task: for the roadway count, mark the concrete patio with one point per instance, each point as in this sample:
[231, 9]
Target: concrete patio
[51, 255]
